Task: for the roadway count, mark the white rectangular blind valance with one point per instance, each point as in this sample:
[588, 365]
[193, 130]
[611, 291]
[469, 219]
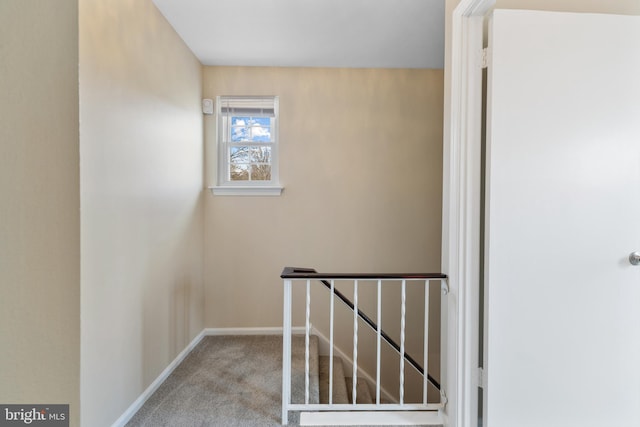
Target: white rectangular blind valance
[249, 106]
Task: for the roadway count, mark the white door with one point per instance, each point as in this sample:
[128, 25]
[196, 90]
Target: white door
[563, 215]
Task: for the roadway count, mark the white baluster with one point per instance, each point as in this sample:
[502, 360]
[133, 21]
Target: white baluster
[378, 342]
[331, 344]
[403, 312]
[355, 342]
[286, 352]
[425, 379]
[306, 343]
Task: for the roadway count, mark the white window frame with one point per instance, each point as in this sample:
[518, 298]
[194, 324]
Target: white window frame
[225, 186]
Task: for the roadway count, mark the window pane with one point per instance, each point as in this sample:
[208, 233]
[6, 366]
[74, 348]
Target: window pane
[260, 172]
[240, 155]
[239, 129]
[254, 129]
[260, 129]
[239, 172]
[261, 155]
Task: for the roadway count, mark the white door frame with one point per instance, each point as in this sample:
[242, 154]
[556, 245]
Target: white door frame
[461, 215]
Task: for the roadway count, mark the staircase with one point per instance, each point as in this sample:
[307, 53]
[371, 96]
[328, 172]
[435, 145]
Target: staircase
[342, 385]
[319, 377]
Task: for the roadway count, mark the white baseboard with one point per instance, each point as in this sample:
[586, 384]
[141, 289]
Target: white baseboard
[371, 418]
[135, 406]
[275, 330]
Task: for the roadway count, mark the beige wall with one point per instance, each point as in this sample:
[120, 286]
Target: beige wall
[39, 204]
[361, 167]
[142, 214]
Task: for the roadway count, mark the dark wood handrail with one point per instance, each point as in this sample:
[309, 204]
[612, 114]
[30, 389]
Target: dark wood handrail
[311, 274]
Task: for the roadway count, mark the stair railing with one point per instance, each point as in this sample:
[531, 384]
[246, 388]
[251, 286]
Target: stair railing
[292, 275]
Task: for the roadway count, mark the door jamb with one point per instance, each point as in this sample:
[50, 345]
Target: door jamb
[461, 214]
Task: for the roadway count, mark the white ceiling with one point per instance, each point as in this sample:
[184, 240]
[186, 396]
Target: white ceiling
[311, 33]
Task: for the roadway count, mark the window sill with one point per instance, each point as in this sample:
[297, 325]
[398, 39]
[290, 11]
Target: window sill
[246, 191]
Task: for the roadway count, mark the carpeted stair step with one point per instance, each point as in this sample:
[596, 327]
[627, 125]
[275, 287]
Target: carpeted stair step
[363, 393]
[339, 394]
[297, 369]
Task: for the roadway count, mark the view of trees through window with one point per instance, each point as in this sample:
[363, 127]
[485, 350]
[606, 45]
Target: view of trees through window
[250, 162]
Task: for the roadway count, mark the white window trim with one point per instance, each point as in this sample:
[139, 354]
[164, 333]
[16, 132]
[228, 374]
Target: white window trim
[225, 187]
[246, 190]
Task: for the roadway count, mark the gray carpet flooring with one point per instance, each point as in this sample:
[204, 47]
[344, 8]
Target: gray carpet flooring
[225, 381]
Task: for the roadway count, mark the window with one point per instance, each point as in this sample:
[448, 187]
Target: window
[247, 136]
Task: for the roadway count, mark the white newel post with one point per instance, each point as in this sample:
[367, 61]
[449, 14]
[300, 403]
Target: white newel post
[286, 353]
